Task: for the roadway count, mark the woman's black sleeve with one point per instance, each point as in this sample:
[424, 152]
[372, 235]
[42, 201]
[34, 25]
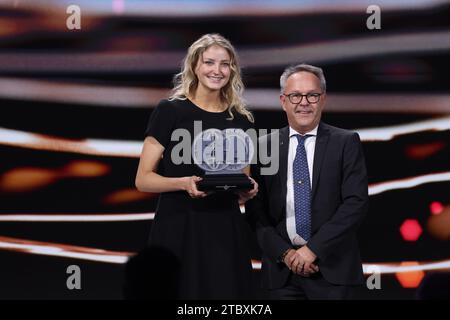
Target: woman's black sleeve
[162, 122]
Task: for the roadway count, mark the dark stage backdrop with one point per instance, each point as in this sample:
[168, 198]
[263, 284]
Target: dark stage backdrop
[77, 85]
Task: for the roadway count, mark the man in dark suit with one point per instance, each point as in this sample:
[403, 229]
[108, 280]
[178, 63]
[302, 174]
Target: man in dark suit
[308, 211]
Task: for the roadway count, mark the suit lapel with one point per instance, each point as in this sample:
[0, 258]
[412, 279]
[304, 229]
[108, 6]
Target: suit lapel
[284, 150]
[319, 153]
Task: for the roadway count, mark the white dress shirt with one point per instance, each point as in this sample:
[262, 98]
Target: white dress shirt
[310, 144]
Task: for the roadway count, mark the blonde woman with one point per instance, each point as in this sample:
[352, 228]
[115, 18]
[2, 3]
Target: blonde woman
[206, 232]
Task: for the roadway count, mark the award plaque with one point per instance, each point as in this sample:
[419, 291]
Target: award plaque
[222, 154]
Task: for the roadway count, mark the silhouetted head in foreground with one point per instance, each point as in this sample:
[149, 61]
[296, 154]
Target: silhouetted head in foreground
[434, 286]
[152, 274]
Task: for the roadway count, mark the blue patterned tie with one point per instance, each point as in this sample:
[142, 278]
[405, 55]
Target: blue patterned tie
[302, 190]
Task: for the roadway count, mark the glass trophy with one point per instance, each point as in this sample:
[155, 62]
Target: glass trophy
[222, 154]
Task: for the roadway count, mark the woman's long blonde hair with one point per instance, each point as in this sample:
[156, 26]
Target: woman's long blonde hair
[186, 82]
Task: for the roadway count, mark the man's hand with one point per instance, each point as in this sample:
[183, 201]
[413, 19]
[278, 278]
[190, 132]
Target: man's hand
[287, 258]
[301, 262]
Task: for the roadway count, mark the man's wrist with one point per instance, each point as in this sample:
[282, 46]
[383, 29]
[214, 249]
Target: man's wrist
[283, 255]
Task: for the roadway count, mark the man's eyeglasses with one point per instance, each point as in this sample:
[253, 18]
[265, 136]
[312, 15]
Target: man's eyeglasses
[296, 98]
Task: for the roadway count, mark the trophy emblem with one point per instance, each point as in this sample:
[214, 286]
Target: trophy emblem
[222, 154]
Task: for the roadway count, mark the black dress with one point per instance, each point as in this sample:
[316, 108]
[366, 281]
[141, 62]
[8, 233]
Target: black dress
[208, 236]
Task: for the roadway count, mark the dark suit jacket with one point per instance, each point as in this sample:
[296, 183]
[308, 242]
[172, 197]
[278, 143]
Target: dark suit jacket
[339, 203]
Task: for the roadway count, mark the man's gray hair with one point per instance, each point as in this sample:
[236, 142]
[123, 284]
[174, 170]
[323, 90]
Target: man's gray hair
[318, 72]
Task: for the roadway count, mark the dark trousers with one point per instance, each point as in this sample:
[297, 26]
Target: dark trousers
[314, 287]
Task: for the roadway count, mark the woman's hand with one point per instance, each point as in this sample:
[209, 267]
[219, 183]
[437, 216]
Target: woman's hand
[244, 196]
[190, 186]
